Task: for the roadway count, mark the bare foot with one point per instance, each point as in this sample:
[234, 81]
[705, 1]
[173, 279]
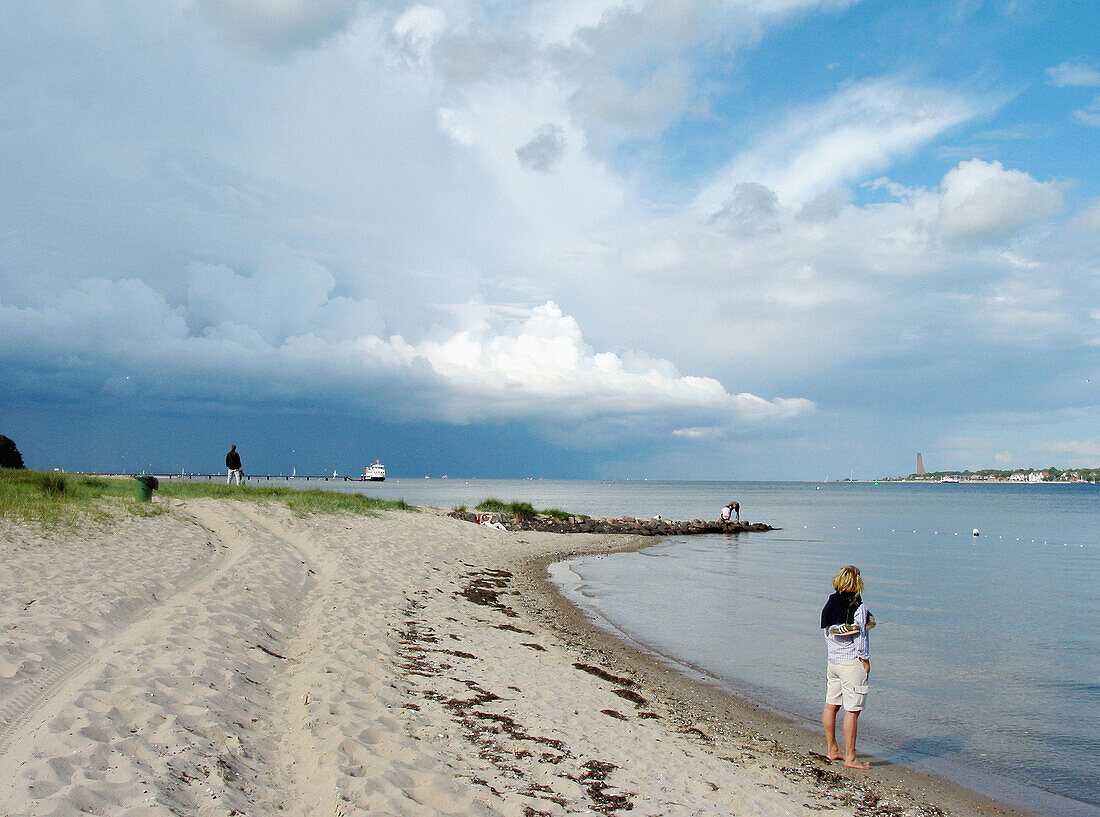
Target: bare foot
[834, 755]
[862, 765]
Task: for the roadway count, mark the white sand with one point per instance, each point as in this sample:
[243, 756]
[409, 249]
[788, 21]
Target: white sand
[229, 658]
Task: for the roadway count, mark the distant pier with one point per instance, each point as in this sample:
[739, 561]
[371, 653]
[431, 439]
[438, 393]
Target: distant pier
[257, 477]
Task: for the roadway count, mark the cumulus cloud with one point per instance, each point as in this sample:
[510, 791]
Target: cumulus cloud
[825, 207]
[288, 295]
[507, 365]
[456, 44]
[615, 108]
[984, 203]
[629, 70]
[278, 28]
[543, 360]
[543, 150]
[415, 33]
[300, 228]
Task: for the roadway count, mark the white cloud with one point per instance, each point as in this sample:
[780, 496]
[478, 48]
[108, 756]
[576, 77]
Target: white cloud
[628, 69]
[983, 203]
[542, 360]
[416, 32]
[858, 131]
[1079, 75]
[506, 365]
[1074, 75]
[387, 155]
[1089, 115]
[697, 433]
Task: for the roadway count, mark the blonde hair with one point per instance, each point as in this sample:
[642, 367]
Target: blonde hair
[848, 580]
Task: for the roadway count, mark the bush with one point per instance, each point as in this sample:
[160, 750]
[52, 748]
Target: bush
[521, 510]
[9, 454]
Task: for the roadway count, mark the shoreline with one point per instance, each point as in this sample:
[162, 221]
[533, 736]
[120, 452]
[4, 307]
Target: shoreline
[227, 657]
[729, 719]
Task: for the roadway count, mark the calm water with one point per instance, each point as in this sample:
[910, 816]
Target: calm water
[986, 661]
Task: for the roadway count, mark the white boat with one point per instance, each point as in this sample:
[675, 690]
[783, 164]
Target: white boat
[949, 478]
[374, 473]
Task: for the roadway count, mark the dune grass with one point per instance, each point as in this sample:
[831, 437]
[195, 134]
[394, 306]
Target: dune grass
[51, 498]
[313, 500]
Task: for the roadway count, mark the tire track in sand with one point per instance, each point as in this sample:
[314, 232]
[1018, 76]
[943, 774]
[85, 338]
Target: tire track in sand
[33, 707]
[299, 746]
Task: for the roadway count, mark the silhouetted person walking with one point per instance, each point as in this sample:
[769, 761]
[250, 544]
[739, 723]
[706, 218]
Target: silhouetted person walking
[233, 463]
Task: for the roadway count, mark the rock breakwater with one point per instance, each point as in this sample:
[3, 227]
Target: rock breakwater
[603, 524]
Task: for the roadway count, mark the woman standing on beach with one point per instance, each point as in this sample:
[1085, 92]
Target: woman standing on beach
[845, 622]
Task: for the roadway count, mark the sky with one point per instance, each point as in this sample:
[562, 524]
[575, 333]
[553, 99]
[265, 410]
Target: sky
[592, 239]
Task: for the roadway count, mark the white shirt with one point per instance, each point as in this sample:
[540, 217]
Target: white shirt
[845, 648]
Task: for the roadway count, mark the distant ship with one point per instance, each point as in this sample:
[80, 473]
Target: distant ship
[374, 473]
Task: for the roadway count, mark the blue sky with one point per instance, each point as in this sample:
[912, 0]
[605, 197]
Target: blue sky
[696, 239]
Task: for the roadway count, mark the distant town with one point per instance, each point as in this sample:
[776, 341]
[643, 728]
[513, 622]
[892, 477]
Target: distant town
[996, 475]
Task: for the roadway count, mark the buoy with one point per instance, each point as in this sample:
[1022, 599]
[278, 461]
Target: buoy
[975, 531]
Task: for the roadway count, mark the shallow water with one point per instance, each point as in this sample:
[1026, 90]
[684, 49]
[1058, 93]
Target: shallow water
[985, 666]
[986, 661]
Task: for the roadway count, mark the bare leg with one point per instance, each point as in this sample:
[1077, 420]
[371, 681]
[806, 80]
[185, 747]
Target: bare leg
[850, 759]
[828, 720]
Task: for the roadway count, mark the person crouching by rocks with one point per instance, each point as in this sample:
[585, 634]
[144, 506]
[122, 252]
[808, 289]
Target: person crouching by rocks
[845, 621]
[233, 464]
[731, 513]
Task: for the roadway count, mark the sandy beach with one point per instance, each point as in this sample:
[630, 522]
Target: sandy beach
[229, 658]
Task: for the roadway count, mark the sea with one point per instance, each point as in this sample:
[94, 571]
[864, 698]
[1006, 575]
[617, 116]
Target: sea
[986, 657]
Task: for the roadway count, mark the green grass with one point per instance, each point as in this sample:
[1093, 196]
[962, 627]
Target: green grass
[301, 502]
[559, 514]
[491, 505]
[520, 510]
[52, 484]
[51, 498]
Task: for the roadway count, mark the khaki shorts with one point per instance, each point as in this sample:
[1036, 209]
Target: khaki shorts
[846, 685]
